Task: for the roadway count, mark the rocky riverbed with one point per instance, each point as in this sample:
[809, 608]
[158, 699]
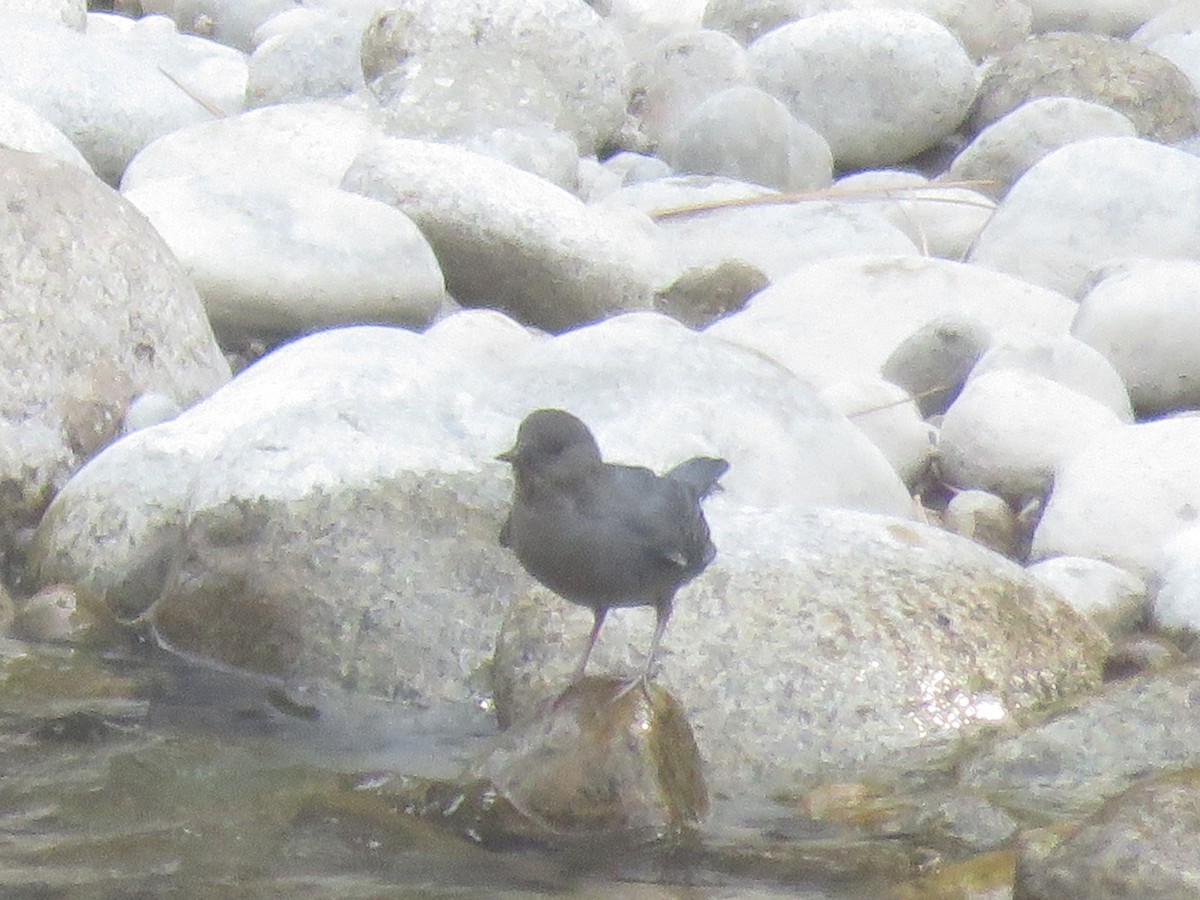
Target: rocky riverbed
[281, 279]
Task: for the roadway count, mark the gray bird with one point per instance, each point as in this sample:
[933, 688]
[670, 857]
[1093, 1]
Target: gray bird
[604, 535]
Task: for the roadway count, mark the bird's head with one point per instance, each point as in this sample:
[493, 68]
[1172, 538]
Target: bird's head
[552, 445]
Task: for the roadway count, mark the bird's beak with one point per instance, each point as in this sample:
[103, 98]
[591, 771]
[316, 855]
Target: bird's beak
[508, 456]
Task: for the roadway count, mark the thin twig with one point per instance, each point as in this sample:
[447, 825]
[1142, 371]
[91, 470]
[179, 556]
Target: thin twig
[208, 105]
[858, 195]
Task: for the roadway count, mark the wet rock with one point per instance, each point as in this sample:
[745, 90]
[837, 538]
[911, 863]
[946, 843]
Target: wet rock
[900, 640]
[601, 759]
[985, 875]
[1073, 762]
[1136, 654]
[7, 608]
[1137, 845]
[63, 614]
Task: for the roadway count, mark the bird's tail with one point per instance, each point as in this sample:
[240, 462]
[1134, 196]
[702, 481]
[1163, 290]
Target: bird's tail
[700, 474]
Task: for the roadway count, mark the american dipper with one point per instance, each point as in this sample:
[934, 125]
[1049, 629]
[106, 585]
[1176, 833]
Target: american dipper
[604, 535]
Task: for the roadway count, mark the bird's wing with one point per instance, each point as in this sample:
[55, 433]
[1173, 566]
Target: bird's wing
[661, 512]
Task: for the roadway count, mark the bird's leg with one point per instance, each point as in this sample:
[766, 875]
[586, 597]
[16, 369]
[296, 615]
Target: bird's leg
[598, 620]
[663, 612]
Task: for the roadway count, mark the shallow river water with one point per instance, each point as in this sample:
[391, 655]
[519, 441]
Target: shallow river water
[136, 774]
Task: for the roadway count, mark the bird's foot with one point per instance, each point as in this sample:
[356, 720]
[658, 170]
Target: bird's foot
[641, 682]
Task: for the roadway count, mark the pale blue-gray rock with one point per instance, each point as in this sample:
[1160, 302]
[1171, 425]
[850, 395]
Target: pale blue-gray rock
[984, 29]
[314, 141]
[275, 259]
[72, 13]
[348, 481]
[941, 220]
[1112, 598]
[576, 50]
[510, 240]
[1176, 603]
[515, 114]
[1092, 202]
[212, 73]
[1061, 358]
[1003, 151]
[1144, 318]
[304, 54]
[109, 104]
[745, 133]
[1008, 430]
[679, 72]
[748, 225]
[890, 419]
[24, 128]
[1124, 495]
[467, 91]
[1179, 17]
[879, 85]
[812, 321]
[147, 409]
